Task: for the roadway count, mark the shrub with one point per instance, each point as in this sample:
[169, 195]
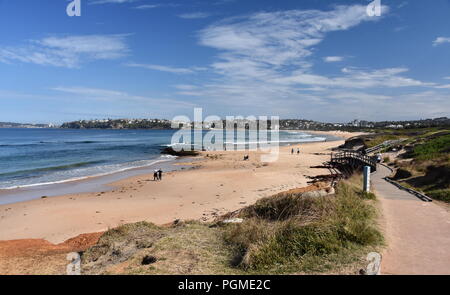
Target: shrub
[402, 174]
[287, 227]
[442, 195]
[432, 148]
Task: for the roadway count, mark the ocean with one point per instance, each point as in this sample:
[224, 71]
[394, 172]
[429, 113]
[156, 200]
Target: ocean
[38, 157]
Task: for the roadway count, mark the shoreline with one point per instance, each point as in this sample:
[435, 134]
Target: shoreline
[86, 184]
[103, 182]
[219, 182]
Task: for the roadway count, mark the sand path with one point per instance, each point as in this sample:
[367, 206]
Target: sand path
[417, 232]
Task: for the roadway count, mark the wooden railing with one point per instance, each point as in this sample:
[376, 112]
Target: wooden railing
[353, 159]
[385, 144]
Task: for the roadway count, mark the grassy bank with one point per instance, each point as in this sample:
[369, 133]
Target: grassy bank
[286, 233]
[424, 160]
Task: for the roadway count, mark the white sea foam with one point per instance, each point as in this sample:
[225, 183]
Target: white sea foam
[96, 171]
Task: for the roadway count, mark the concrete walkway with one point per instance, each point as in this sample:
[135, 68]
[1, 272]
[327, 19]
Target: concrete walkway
[417, 232]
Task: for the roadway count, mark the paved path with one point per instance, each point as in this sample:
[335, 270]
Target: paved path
[417, 232]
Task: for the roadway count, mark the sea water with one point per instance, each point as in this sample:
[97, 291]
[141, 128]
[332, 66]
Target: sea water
[35, 157]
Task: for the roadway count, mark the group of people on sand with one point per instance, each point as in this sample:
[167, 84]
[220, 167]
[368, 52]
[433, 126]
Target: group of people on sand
[292, 151]
[157, 175]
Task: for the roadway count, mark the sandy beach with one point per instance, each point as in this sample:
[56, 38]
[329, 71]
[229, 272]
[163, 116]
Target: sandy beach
[219, 182]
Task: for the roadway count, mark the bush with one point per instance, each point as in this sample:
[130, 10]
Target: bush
[442, 195]
[402, 174]
[285, 206]
[288, 227]
[432, 148]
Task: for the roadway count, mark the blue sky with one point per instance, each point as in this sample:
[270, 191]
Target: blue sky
[313, 59]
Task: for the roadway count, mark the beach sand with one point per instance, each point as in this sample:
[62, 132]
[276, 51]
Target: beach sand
[219, 182]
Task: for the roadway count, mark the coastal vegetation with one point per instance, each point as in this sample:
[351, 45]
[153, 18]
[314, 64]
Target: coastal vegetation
[290, 233]
[421, 159]
[285, 233]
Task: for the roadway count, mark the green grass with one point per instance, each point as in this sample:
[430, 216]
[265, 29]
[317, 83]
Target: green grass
[432, 148]
[324, 229]
[425, 165]
[371, 142]
[441, 195]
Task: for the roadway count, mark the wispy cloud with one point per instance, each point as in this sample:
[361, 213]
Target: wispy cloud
[265, 62]
[158, 5]
[68, 51]
[147, 6]
[356, 78]
[333, 58]
[194, 15]
[441, 40]
[168, 69]
[111, 1]
[279, 38]
[98, 94]
[265, 57]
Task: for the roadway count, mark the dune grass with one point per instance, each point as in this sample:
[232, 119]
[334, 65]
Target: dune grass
[432, 148]
[373, 141]
[291, 231]
[282, 234]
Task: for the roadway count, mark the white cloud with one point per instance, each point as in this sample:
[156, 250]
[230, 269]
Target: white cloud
[264, 63]
[194, 15]
[157, 5]
[446, 86]
[265, 57]
[185, 87]
[93, 92]
[111, 1]
[147, 6]
[280, 38]
[333, 58]
[119, 96]
[441, 40]
[68, 51]
[168, 69]
[355, 78]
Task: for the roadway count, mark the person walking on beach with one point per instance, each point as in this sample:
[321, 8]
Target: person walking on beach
[155, 175]
[160, 174]
[292, 151]
[298, 151]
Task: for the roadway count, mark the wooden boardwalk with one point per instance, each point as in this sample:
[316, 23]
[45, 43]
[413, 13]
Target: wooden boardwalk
[352, 160]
